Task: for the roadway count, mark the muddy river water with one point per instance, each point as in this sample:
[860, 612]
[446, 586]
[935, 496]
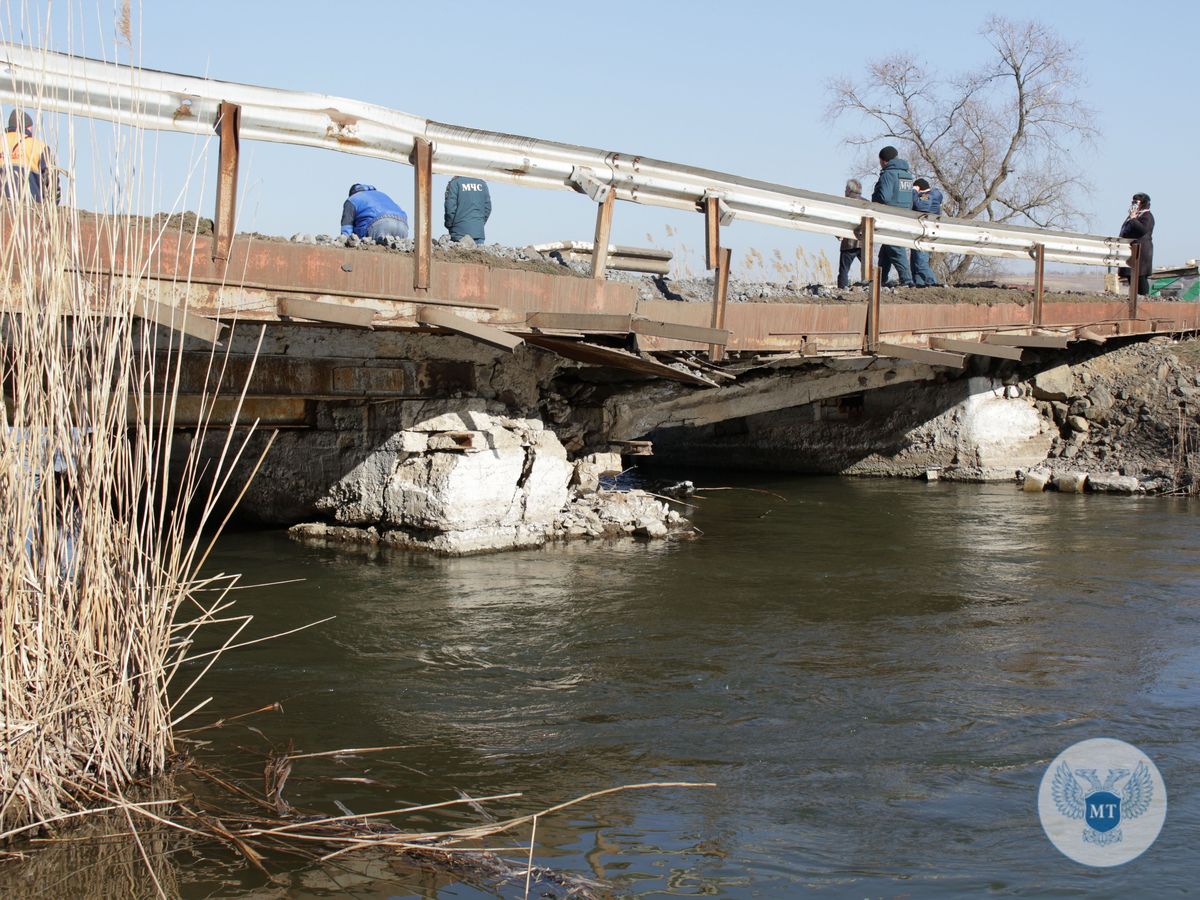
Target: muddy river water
[875, 674]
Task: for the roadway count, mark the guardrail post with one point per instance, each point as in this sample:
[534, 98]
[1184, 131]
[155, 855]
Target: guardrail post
[604, 213]
[867, 245]
[228, 126]
[720, 295]
[1039, 281]
[871, 338]
[1135, 266]
[422, 161]
[712, 231]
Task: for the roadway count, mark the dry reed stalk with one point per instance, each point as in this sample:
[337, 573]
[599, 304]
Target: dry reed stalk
[98, 564]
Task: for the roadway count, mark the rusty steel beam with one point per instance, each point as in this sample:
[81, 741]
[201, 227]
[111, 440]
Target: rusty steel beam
[1039, 282]
[595, 355]
[871, 337]
[694, 334]
[604, 214]
[586, 323]
[1135, 267]
[1040, 341]
[867, 248]
[228, 127]
[716, 351]
[422, 161]
[177, 319]
[712, 231]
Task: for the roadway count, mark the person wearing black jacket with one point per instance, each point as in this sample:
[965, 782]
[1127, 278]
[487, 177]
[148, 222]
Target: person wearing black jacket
[1139, 226]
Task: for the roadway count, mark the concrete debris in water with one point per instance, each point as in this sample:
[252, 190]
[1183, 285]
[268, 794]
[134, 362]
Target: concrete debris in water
[467, 481]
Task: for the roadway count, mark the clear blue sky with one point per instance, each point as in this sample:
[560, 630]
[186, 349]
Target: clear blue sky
[737, 87]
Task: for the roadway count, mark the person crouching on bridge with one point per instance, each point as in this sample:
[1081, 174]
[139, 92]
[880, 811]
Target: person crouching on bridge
[851, 249]
[372, 215]
[1139, 226]
[894, 188]
[468, 206]
[927, 200]
[26, 169]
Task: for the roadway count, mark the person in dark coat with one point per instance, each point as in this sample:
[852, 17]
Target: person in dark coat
[468, 206]
[1139, 226]
[371, 214]
[851, 249]
[927, 200]
[893, 188]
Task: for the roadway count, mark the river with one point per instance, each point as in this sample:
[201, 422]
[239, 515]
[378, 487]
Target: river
[875, 674]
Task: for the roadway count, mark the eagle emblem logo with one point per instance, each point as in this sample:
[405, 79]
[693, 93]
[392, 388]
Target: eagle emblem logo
[1098, 803]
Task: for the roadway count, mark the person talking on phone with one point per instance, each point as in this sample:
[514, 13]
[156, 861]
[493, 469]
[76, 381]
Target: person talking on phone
[1139, 226]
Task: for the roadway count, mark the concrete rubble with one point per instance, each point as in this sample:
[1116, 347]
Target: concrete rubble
[468, 481]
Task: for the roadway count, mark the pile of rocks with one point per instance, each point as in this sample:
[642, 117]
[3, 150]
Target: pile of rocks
[1130, 413]
[457, 481]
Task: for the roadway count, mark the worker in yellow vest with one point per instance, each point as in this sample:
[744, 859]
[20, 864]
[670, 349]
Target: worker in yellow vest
[27, 168]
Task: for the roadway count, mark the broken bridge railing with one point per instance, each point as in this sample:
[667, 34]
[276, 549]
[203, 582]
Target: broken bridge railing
[164, 101]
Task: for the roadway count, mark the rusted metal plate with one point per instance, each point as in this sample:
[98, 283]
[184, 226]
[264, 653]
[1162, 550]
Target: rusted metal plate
[191, 411]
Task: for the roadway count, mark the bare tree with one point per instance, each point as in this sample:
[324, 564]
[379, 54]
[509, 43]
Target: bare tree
[1017, 115]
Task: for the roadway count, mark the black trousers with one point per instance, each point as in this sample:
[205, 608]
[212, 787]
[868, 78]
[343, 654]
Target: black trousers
[845, 258]
[1143, 281]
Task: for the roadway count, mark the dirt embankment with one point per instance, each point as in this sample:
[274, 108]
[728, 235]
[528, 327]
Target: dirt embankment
[1135, 410]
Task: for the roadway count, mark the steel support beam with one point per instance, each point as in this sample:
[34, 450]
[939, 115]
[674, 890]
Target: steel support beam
[921, 355]
[1041, 341]
[712, 231]
[1135, 267]
[334, 313]
[604, 214]
[867, 245]
[716, 352]
[228, 128]
[975, 349]
[871, 337]
[177, 319]
[485, 334]
[422, 160]
[1039, 282]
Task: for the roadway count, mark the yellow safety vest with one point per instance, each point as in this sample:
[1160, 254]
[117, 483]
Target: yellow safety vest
[24, 152]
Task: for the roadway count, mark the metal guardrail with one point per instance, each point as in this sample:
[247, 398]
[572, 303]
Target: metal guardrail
[168, 102]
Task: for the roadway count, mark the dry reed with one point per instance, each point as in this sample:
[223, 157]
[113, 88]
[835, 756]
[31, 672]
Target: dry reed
[99, 552]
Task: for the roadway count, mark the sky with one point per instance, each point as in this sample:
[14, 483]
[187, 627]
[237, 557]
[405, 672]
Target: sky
[738, 88]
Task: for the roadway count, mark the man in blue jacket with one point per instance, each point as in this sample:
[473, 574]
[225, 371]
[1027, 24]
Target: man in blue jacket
[468, 205]
[373, 215]
[893, 188]
[927, 200]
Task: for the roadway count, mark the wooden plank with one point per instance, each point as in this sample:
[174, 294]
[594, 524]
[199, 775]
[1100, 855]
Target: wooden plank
[918, 354]
[1090, 334]
[604, 214]
[678, 331]
[299, 308]
[975, 349]
[716, 350]
[177, 319]
[422, 161]
[1044, 341]
[588, 323]
[485, 334]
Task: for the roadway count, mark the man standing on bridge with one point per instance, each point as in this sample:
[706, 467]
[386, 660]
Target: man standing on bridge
[372, 215]
[468, 206]
[851, 248]
[893, 188]
[927, 200]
